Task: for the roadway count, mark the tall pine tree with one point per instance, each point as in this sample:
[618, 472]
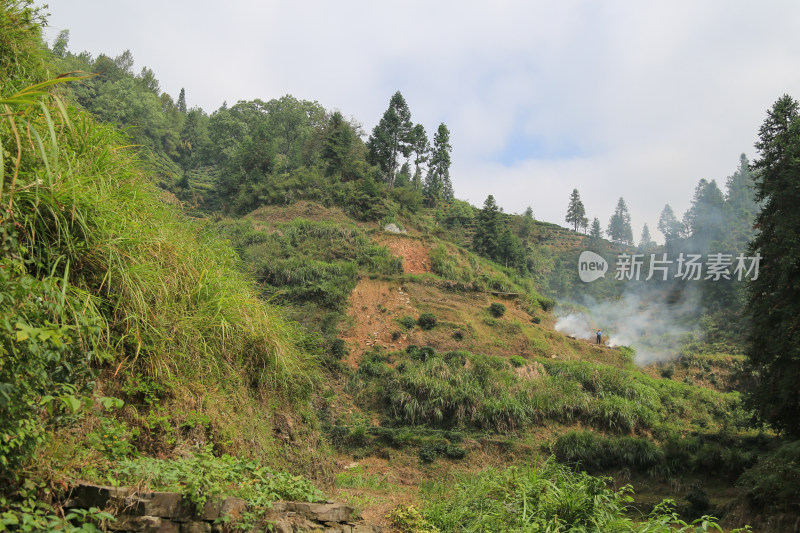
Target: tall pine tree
[619, 227]
[391, 138]
[575, 211]
[774, 307]
[438, 186]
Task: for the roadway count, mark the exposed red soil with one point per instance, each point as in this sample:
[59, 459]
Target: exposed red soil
[414, 252]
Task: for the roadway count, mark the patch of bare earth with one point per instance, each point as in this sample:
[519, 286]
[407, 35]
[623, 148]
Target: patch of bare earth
[376, 304]
[416, 259]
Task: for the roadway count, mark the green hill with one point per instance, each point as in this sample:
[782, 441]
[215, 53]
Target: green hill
[215, 308]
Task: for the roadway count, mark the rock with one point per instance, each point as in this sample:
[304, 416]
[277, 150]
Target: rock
[196, 527]
[86, 495]
[161, 504]
[392, 228]
[363, 528]
[233, 507]
[322, 512]
[144, 524]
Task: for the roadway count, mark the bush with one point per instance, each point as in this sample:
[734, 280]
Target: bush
[773, 484]
[517, 361]
[407, 321]
[547, 304]
[426, 321]
[338, 348]
[497, 310]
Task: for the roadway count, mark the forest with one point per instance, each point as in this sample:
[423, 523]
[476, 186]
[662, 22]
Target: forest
[268, 302]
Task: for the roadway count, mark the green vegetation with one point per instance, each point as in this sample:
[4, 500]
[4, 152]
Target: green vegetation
[497, 310]
[774, 348]
[465, 390]
[131, 333]
[426, 321]
[104, 285]
[536, 498]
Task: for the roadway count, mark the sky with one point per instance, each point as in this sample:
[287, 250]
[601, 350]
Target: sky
[632, 99]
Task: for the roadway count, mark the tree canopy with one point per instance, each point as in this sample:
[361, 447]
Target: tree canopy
[619, 226]
[774, 304]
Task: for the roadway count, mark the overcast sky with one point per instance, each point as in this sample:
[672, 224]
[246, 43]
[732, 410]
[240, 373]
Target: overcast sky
[615, 98]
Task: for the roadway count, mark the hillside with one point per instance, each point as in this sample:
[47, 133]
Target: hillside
[217, 312]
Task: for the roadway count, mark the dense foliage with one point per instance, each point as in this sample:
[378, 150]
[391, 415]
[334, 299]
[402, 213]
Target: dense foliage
[775, 339]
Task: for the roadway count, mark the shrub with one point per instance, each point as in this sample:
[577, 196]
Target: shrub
[517, 361]
[773, 484]
[407, 321]
[410, 520]
[338, 348]
[426, 321]
[547, 304]
[497, 310]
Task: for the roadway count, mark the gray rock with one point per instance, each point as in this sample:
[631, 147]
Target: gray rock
[86, 495]
[392, 228]
[323, 512]
[196, 527]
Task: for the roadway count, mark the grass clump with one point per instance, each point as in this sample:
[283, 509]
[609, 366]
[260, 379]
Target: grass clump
[517, 361]
[586, 449]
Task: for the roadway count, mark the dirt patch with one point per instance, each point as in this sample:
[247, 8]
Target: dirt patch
[374, 306]
[416, 259]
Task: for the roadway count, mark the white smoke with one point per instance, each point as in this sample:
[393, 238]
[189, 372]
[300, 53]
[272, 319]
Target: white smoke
[640, 319]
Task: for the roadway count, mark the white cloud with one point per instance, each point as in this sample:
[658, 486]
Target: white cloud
[646, 98]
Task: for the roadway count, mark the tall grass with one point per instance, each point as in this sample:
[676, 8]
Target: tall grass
[485, 392]
[171, 292]
[545, 498]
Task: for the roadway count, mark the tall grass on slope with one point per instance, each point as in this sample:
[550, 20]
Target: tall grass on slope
[171, 293]
[545, 498]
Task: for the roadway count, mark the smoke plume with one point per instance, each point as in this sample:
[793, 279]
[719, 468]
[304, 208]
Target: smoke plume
[641, 319]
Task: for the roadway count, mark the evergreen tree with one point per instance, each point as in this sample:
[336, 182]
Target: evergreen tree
[61, 43]
[619, 226]
[669, 225]
[774, 350]
[526, 228]
[338, 144]
[488, 228]
[438, 186]
[182, 101]
[705, 218]
[646, 243]
[575, 211]
[596, 233]
[420, 147]
[391, 138]
[740, 203]
[510, 251]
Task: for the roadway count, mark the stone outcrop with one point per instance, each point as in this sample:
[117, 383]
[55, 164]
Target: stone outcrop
[169, 512]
